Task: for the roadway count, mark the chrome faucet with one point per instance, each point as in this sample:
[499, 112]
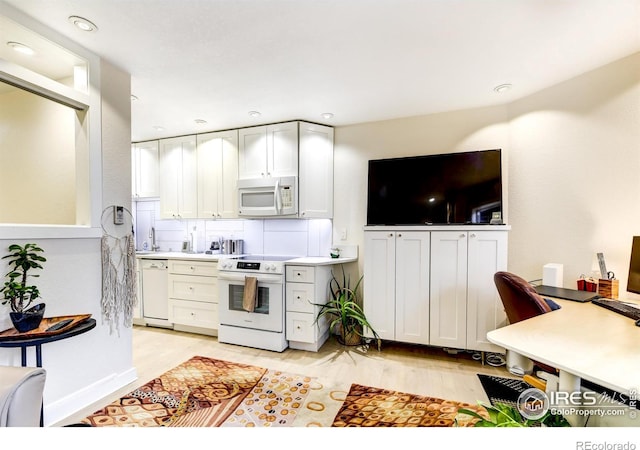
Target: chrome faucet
[154, 247]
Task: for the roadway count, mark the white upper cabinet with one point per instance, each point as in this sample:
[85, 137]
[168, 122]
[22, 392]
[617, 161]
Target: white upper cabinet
[217, 174]
[144, 169]
[178, 175]
[268, 151]
[316, 171]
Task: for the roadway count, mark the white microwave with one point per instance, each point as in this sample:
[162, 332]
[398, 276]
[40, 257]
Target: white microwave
[268, 197]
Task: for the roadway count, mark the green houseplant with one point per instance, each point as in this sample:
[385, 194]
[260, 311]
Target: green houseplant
[502, 415]
[344, 312]
[16, 290]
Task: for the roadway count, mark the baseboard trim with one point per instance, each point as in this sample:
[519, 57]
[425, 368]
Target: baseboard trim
[60, 409]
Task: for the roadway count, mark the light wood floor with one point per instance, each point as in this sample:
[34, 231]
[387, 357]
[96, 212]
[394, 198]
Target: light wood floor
[415, 369]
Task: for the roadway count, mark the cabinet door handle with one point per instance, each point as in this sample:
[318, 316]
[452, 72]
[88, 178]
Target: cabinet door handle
[399, 234]
[390, 234]
[473, 235]
[462, 236]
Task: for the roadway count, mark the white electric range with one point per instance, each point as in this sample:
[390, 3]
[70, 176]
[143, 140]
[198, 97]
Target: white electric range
[264, 327]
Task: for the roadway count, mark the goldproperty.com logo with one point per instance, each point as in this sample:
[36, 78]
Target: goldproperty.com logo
[534, 404]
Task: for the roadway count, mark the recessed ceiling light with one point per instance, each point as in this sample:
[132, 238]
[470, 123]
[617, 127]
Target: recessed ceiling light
[254, 113]
[158, 128]
[21, 48]
[327, 115]
[502, 88]
[200, 121]
[83, 24]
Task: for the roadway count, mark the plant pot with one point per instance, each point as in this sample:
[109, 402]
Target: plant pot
[29, 319]
[350, 339]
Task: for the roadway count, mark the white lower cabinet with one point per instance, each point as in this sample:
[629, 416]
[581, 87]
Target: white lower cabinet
[434, 287]
[306, 285]
[193, 295]
[396, 285]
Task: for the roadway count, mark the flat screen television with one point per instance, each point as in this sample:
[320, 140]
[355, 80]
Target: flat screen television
[452, 188]
[633, 282]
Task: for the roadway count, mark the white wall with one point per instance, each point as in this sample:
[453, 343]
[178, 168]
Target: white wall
[84, 368]
[476, 129]
[37, 159]
[288, 237]
[571, 164]
[574, 164]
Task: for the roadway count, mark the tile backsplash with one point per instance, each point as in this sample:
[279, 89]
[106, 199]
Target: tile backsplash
[287, 237]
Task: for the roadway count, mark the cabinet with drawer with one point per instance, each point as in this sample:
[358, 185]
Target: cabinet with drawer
[305, 287]
[193, 295]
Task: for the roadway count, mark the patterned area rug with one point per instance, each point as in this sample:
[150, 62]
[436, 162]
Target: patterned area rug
[206, 392]
[367, 406]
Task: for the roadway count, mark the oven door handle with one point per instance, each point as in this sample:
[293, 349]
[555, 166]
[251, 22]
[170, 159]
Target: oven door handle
[262, 278]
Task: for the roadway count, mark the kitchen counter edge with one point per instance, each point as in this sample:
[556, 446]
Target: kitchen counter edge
[301, 261]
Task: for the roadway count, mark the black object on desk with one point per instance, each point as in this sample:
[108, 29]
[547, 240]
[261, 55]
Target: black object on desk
[566, 294]
[619, 307]
[28, 341]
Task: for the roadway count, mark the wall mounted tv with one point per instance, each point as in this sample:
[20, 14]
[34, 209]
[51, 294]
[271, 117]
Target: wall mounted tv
[452, 188]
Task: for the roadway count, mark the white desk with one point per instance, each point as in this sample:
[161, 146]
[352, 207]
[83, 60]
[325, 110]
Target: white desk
[582, 341]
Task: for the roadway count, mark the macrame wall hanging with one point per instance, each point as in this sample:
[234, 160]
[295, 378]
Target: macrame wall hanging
[119, 295]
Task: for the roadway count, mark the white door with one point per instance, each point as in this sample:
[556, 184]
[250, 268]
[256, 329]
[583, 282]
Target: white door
[217, 174]
[178, 178]
[316, 171]
[485, 312]
[146, 169]
[379, 281]
[252, 152]
[188, 187]
[170, 163]
[448, 289]
[268, 314]
[412, 287]
[282, 150]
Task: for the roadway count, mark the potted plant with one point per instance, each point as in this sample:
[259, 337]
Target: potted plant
[344, 310]
[16, 290]
[503, 415]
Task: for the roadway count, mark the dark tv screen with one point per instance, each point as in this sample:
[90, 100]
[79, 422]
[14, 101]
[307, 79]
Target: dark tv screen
[452, 188]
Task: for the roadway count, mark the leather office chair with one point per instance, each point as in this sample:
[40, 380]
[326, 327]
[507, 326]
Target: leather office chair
[521, 302]
[21, 392]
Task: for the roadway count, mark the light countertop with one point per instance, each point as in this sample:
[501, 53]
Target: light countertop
[319, 261]
[181, 255]
[301, 261]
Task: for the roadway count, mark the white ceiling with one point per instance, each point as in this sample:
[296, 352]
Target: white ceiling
[362, 60]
